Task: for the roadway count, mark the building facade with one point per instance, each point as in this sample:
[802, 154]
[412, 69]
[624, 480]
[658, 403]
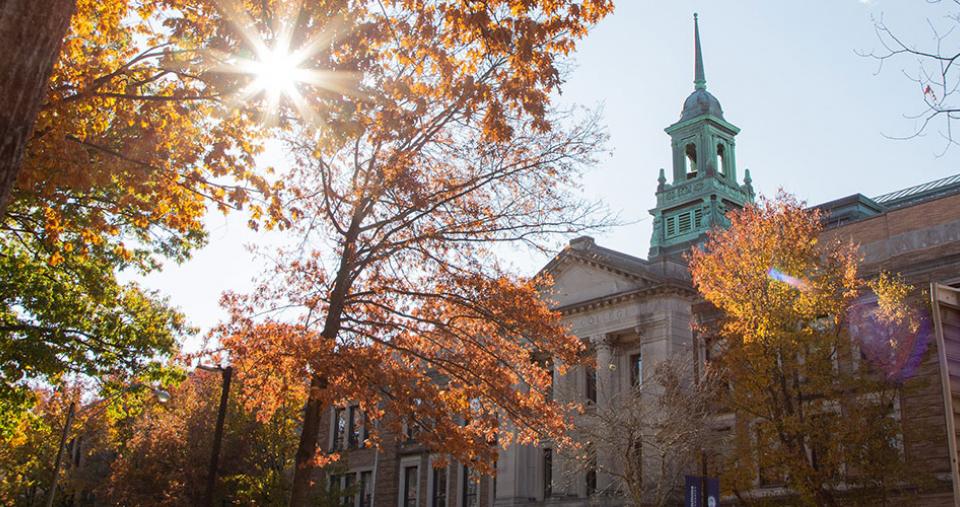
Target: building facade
[634, 313]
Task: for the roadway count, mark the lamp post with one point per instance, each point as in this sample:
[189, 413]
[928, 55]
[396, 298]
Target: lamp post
[227, 373]
[162, 397]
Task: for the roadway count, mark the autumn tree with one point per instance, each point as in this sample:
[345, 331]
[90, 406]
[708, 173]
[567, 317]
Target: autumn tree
[814, 356]
[163, 452]
[406, 191]
[651, 434]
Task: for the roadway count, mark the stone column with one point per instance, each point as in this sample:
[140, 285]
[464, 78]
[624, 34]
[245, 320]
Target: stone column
[606, 391]
[561, 481]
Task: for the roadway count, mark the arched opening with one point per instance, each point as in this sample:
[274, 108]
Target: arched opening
[690, 153]
[721, 160]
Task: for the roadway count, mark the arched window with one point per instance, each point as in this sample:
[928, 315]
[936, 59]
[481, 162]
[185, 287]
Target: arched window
[690, 153]
[721, 160]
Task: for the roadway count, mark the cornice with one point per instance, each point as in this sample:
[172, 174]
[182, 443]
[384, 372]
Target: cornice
[684, 291]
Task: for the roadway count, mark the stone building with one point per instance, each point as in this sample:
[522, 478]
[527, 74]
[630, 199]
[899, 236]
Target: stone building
[635, 312]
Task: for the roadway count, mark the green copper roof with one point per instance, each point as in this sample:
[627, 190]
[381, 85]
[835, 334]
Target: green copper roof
[700, 102]
[699, 80]
[929, 190]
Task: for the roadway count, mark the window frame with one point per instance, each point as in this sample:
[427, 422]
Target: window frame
[465, 484]
[402, 495]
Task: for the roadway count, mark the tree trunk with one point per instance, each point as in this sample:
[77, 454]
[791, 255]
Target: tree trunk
[303, 472]
[31, 32]
[304, 462]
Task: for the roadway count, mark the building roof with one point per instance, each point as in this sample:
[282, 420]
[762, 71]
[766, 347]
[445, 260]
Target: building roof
[700, 102]
[919, 193]
[858, 206]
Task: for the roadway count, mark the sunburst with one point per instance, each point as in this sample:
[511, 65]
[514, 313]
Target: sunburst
[277, 71]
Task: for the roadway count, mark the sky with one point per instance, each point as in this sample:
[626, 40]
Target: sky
[815, 117]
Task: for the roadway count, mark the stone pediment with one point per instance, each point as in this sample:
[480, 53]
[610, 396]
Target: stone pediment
[584, 271]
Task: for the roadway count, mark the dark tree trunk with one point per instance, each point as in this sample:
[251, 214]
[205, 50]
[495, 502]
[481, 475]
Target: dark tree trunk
[31, 32]
[307, 449]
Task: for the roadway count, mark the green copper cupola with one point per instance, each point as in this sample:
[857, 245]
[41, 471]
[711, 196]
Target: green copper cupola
[704, 184]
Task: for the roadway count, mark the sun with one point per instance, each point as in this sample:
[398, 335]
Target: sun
[279, 74]
[276, 73]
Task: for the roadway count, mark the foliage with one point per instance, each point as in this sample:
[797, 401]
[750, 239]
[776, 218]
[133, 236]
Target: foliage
[165, 458]
[75, 317]
[27, 452]
[812, 412]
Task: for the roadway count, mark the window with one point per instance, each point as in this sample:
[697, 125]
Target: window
[721, 160]
[550, 387]
[410, 486]
[591, 375]
[636, 370]
[339, 429]
[439, 493]
[345, 486]
[684, 222]
[591, 480]
[690, 155]
[410, 431]
[348, 482]
[769, 471]
[366, 489]
[353, 427]
[547, 473]
[471, 490]
[366, 427]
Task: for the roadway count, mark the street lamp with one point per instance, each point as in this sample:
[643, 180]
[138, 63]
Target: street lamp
[227, 373]
[161, 395]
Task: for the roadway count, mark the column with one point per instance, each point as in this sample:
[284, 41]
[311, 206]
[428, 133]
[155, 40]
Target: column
[606, 391]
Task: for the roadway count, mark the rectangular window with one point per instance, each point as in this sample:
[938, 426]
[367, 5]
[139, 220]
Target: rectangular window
[471, 490]
[683, 223]
[698, 218]
[353, 427]
[339, 428]
[410, 486]
[550, 388]
[636, 370]
[671, 226]
[366, 489]
[366, 427]
[410, 431]
[591, 480]
[547, 473]
[348, 482]
[591, 375]
[439, 493]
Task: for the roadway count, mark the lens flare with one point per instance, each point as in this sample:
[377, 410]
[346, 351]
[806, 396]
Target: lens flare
[279, 72]
[894, 347]
[792, 281]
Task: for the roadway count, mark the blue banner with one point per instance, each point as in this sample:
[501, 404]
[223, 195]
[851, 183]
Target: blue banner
[693, 492]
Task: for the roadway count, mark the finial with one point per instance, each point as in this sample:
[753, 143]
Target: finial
[699, 81]
[662, 180]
